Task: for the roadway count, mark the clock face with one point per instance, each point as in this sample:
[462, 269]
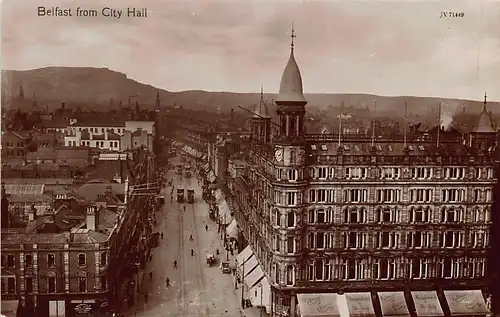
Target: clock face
[278, 155]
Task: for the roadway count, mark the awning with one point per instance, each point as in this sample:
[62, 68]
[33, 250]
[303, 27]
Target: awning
[254, 277]
[218, 196]
[260, 295]
[393, 304]
[360, 304]
[224, 213]
[311, 305]
[9, 308]
[244, 255]
[211, 176]
[427, 304]
[232, 229]
[249, 265]
[468, 303]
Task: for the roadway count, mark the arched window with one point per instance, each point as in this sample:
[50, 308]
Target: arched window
[276, 273]
[290, 275]
[277, 217]
[292, 156]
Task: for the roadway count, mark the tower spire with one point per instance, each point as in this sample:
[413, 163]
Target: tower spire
[293, 36]
[485, 97]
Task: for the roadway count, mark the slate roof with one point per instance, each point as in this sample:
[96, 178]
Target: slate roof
[63, 153]
[484, 123]
[92, 191]
[387, 148]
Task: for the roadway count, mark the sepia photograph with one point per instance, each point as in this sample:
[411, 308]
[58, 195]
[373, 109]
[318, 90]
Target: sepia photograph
[250, 158]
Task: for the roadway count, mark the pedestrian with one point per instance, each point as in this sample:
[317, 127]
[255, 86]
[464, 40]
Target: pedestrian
[146, 297]
[161, 235]
[192, 252]
[151, 275]
[206, 227]
[168, 282]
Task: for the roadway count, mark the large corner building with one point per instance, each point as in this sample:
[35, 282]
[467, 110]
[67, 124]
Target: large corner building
[371, 225]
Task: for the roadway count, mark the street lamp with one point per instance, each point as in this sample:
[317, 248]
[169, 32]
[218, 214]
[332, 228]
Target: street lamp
[260, 287]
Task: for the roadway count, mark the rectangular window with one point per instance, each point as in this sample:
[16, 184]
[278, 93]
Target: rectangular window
[51, 284]
[103, 282]
[82, 261]
[28, 280]
[104, 258]
[11, 261]
[82, 284]
[51, 260]
[28, 259]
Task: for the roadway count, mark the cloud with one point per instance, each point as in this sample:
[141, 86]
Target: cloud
[391, 48]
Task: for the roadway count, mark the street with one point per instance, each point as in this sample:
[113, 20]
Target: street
[195, 288]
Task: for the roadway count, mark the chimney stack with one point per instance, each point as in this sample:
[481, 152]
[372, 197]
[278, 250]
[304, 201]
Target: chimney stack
[92, 219]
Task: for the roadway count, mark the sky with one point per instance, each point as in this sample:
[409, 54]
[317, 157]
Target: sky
[379, 47]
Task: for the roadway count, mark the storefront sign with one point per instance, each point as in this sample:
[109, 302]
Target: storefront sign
[83, 308]
[360, 304]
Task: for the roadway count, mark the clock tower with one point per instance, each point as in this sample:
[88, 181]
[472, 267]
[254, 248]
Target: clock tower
[289, 185]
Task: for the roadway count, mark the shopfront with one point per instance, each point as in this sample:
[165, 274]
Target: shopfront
[466, 303]
[427, 304]
[393, 304]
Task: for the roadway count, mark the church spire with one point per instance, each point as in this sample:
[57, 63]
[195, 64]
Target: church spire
[157, 99]
[293, 36]
[484, 103]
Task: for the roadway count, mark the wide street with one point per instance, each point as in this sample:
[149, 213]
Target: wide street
[195, 288]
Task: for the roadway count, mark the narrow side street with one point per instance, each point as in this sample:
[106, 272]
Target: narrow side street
[195, 289]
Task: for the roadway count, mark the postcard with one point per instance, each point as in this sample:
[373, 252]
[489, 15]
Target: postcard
[250, 158]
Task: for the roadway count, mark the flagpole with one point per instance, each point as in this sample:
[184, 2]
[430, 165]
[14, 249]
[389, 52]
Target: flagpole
[439, 124]
[373, 125]
[340, 127]
[406, 119]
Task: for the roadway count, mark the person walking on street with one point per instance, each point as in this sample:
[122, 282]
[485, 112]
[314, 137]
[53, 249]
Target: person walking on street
[150, 275]
[168, 282]
[192, 252]
[161, 235]
[146, 297]
[206, 227]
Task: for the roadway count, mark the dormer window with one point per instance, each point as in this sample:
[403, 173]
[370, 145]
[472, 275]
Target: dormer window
[324, 148]
[346, 147]
[313, 147]
[421, 148]
[379, 148]
[410, 147]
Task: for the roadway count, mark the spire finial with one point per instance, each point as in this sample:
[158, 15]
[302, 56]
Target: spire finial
[484, 103]
[293, 36]
[261, 92]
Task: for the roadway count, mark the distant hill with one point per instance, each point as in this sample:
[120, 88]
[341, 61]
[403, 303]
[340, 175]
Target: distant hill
[100, 88]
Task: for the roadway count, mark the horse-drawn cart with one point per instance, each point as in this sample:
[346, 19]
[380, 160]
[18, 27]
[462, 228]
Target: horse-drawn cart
[210, 259]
